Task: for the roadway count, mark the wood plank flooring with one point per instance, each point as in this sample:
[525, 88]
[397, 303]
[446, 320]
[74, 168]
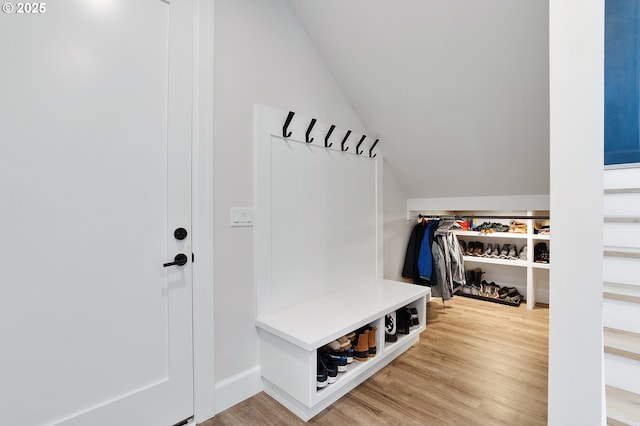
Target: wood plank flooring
[477, 363]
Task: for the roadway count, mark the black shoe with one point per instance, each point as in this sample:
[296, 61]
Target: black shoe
[502, 293]
[541, 253]
[390, 338]
[414, 317]
[329, 365]
[513, 295]
[403, 321]
[322, 379]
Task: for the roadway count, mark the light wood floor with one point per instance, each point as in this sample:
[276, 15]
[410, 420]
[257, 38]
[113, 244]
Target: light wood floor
[477, 363]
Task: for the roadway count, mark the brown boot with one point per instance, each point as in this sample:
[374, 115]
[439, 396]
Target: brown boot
[361, 351]
[372, 341]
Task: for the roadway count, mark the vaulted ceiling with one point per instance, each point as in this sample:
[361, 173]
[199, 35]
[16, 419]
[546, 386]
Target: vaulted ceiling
[457, 91]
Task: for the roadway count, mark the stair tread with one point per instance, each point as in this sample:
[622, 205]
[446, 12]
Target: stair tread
[621, 219]
[619, 291]
[622, 191]
[622, 405]
[619, 251]
[622, 343]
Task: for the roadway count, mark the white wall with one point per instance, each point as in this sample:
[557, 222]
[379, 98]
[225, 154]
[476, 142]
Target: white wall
[396, 227]
[463, 80]
[575, 321]
[261, 55]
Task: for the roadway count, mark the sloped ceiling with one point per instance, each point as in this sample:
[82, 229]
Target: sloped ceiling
[457, 91]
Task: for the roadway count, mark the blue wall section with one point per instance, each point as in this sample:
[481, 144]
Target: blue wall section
[621, 82]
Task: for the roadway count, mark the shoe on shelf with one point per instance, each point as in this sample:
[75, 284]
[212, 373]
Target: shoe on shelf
[403, 321]
[322, 378]
[352, 338]
[478, 249]
[487, 251]
[361, 351]
[349, 353]
[471, 276]
[483, 288]
[470, 247]
[496, 251]
[372, 341]
[344, 343]
[513, 295]
[475, 289]
[513, 252]
[463, 246]
[390, 327]
[333, 345]
[495, 290]
[541, 253]
[502, 293]
[339, 360]
[523, 253]
[415, 321]
[330, 366]
[504, 253]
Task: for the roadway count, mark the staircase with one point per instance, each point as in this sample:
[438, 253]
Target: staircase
[621, 295]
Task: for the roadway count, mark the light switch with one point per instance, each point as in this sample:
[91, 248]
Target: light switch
[241, 216]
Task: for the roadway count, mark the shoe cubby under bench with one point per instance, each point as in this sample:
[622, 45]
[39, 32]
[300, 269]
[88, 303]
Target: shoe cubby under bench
[289, 340]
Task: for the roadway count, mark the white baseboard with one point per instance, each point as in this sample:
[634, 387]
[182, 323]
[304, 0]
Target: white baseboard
[237, 388]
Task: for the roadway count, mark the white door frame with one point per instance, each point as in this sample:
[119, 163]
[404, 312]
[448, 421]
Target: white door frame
[202, 213]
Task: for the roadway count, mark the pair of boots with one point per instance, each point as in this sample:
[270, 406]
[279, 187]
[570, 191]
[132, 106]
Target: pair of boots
[406, 318]
[365, 344]
[474, 277]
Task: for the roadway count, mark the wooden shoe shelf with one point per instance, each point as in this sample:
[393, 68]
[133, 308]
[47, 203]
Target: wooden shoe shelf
[290, 338]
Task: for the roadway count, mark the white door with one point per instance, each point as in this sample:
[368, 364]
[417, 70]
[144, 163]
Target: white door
[95, 157]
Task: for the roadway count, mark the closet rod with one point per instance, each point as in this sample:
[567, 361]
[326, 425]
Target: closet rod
[420, 216]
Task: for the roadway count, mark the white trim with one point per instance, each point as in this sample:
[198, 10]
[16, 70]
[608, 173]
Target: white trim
[202, 213]
[380, 218]
[237, 388]
[495, 203]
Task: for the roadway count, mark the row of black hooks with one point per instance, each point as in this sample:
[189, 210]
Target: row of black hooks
[308, 139]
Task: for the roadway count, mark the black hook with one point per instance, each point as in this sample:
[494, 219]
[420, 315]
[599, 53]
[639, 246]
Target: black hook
[360, 143]
[326, 138]
[313, 122]
[344, 140]
[371, 149]
[286, 125]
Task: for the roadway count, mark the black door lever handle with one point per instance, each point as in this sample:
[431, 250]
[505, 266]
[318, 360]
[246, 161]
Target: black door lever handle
[179, 260]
